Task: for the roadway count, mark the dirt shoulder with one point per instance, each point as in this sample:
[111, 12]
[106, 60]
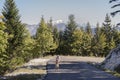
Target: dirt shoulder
[84, 59]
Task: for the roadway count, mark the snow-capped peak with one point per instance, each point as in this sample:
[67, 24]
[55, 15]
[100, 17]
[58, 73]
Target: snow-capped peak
[57, 21]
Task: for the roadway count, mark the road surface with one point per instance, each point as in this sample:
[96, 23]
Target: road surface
[74, 68]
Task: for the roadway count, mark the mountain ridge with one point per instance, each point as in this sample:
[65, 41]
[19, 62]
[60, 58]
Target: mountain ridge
[60, 25]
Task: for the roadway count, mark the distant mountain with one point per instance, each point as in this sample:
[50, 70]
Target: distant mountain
[60, 26]
[33, 28]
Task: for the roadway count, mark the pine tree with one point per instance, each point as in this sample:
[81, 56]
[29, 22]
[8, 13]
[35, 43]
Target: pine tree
[68, 39]
[86, 44]
[107, 28]
[116, 36]
[55, 34]
[50, 24]
[3, 46]
[108, 31]
[88, 29]
[112, 44]
[44, 39]
[98, 42]
[78, 40]
[87, 40]
[97, 31]
[101, 44]
[16, 30]
[28, 46]
[60, 49]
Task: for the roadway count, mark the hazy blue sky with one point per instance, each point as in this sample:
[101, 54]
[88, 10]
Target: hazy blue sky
[84, 10]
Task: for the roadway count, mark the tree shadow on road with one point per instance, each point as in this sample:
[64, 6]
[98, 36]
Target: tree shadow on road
[24, 77]
[73, 70]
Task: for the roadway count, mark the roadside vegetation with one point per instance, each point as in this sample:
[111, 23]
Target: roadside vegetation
[35, 69]
[98, 66]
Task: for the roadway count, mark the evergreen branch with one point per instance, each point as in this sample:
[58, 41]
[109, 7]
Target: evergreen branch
[115, 12]
[118, 24]
[112, 1]
[115, 5]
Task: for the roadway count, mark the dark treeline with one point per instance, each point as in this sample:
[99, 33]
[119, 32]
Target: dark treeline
[17, 46]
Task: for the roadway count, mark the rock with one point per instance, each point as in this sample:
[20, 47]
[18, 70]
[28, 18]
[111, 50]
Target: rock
[112, 61]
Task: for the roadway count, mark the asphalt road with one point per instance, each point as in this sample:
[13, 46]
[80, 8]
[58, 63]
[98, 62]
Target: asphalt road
[75, 69]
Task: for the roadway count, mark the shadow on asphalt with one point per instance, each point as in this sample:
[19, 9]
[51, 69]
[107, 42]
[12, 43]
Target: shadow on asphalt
[76, 71]
[24, 77]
